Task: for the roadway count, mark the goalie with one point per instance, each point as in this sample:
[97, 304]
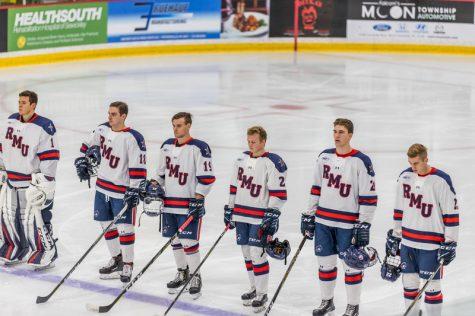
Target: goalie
[28, 158]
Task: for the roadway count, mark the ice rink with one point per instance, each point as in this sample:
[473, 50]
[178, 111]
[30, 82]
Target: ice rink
[394, 101]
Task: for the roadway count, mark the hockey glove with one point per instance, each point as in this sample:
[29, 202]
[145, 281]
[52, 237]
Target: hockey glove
[269, 225]
[361, 234]
[132, 197]
[82, 168]
[228, 215]
[307, 225]
[197, 208]
[392, 244]
[447, 252]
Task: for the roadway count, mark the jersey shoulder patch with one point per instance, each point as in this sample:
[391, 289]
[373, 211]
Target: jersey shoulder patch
[328, 151]
[406, 170]
[105, 124]
[204, 148]
[278, 162]
[46, 124]
[366, 161]
[169, 141]
[14, 116]
[446, 178]
[139, 138]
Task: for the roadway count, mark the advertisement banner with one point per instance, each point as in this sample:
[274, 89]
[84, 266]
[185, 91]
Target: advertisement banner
[411, 21]
[244, 18]
[317, 18]
[3, 30]
[163, 20]
[57, 25]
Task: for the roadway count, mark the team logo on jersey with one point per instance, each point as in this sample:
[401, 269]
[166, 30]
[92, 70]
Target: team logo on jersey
[17, 141]
[106, 152]
[174, 171]
[246, 183]
[416, 201]
[334, 181]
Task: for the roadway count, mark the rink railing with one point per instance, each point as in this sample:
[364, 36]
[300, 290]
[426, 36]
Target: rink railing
[87, 30]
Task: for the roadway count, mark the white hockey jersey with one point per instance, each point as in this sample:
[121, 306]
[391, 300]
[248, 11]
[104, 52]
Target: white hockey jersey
[123, 159]
[344, 189]
[184, 170]
[29, 147]
[426, 211]
[257, 183]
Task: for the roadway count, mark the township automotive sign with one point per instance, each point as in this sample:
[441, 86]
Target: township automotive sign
[430, 11]
[411, 21]
[164, 20]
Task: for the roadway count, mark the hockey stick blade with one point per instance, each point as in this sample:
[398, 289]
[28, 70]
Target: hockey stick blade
[98, 309]
[42, 299]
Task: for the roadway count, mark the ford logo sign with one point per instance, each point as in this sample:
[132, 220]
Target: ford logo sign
[382, 27]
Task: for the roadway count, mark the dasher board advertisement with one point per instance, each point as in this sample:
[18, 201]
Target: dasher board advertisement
[57, 25]
[432, 22]
[164, 20]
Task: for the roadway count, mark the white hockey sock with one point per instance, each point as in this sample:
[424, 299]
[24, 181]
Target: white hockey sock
[179, 254]
[112, 238]
[327, 273]
[410, 282]
[192, 252]
[260, 267]
[127, 241]
[434, 298]
[246, 251]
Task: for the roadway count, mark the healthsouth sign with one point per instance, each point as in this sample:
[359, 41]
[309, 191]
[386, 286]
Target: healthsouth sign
[58, 16]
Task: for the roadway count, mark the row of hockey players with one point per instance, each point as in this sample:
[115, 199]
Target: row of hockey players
[342, 204]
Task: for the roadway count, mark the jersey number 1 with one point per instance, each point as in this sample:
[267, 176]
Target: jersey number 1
[208, 166]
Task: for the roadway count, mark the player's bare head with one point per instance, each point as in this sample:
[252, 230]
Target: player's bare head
[256, 138]
[342, 131]
[181, 124]
[27, 101]
[118, 112]
[418, 158]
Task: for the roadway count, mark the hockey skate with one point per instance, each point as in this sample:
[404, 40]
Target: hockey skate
[195, 287]
[180, 279]
[326, 308]
[113, 268]
[352, 310]
[259, 304]
[126, 273]
[248, 297]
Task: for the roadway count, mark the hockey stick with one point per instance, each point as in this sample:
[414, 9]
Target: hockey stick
[106, 308]
[197, 269]
[274, 298]
[43, 299]
[419, 294]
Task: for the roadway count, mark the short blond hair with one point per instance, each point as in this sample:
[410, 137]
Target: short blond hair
[417, 150]
[346, 123]
[257, 130]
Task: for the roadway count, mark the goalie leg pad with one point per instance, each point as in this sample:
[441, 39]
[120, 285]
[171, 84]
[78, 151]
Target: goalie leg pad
[45, 251]
[15, 246]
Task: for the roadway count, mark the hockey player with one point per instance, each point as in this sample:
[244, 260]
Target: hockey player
[122, 155]
[426, 222]
[342, 204]
[185, 172]
[29, 155]
[257, 194]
